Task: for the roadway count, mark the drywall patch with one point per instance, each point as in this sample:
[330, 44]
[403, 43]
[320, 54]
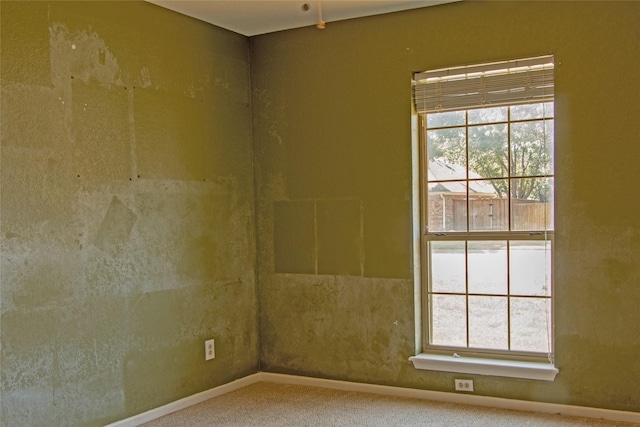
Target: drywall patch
[41, 269]
[78, 56]
[175, 136]
[294, 237]
[195, 236]
[81, 55]
[22, 121]
[101, 132]
[43, 284]
[115, 227]
[35, 189]
[318, 237]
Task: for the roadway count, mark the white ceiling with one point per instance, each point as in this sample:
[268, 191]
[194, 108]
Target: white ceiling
[253, 17]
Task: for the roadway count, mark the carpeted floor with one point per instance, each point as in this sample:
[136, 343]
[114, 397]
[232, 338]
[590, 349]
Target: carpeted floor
[274, 404]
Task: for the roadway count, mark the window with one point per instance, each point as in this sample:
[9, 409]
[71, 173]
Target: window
[487, 209]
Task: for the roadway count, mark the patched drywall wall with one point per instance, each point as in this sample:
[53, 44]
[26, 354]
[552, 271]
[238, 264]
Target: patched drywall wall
[126, 214]
[127, 225]
[331, 120]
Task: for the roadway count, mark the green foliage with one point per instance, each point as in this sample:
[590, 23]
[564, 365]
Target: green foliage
[496, 150]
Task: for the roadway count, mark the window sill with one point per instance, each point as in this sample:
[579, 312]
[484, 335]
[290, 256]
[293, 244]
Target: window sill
[495, 367]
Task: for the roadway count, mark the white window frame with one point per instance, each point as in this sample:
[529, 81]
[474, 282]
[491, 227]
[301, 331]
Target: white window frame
[539, 88]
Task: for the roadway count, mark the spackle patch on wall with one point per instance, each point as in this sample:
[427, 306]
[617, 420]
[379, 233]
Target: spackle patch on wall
[115, 228]
[81, 55]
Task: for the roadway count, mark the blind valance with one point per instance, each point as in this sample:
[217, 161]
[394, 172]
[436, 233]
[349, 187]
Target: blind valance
[499, 83]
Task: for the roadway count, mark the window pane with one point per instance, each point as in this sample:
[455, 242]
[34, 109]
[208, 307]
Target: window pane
[490, 170]
[448, 320]
[530, 268]
[532, 111]
[488, 153]
[549, 145]
[487, 270]
[531, 324]
[532, 148]
[532, 204]
[447, 206]
[452, 118]
[488, 115]
[487, 210]
[446, 154]
[488, 322]
[447, 267]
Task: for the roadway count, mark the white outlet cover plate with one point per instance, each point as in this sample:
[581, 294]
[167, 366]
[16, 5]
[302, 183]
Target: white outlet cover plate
[464, 385]
[209, 350]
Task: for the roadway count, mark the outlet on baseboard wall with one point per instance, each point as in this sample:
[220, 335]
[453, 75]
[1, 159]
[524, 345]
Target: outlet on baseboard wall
[464, 385]
[209, 349]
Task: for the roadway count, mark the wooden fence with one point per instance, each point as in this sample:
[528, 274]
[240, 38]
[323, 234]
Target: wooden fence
[492, 214]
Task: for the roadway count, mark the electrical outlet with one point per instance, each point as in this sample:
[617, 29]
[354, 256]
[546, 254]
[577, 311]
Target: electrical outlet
[464, 385]
[209, 350]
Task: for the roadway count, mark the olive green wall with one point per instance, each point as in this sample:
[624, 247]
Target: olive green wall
[332, 143]
[127, 219]
[127, 204]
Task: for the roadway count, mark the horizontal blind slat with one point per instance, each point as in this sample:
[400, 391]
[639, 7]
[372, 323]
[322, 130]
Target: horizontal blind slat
[485, 68]
[499, 88]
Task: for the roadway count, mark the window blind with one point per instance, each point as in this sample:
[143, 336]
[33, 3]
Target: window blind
[487, 85]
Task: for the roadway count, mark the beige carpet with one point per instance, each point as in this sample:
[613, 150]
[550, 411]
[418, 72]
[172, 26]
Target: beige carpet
[273, 404]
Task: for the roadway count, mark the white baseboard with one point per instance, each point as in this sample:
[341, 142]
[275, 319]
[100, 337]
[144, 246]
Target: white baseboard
[466, 399]
[169, 408]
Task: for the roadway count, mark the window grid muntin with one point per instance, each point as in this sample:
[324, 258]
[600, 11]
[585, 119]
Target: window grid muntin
[508, 295]
[470, 235]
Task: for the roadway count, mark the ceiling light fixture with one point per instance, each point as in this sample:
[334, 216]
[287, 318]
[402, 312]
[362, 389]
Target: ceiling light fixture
[321, 23]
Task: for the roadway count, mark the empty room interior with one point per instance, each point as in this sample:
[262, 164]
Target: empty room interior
[166, 181]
